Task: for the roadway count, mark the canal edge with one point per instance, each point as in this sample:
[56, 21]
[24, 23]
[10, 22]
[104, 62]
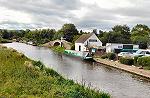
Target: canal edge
[123, 67]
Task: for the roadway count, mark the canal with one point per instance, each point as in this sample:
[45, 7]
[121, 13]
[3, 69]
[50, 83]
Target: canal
[118, 83]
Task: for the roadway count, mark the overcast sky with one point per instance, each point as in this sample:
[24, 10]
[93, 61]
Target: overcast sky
[85, 14]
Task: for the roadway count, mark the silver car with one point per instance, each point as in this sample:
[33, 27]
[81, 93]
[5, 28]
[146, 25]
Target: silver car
[142, 52]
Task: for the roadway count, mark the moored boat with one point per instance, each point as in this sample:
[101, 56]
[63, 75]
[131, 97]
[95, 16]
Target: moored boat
[82, 55]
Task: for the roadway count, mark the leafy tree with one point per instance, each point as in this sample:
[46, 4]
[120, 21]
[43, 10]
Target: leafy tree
[58, 35]
[104, 37]
[69, 31]
[81, 32]
[95, 31]
[40, 36]
[140, 35]
[119, 34]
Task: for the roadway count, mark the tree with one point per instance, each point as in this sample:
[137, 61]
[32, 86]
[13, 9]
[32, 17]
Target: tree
[95, 31]
[118, 34]
[140, 35]
[121, 34]
[69, 31]
[104, 37]
[81, 32]
[100, 31]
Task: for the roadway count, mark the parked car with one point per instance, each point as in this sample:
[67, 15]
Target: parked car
[124, 54]
[141, 52]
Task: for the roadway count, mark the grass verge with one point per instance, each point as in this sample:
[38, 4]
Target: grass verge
[58, 49]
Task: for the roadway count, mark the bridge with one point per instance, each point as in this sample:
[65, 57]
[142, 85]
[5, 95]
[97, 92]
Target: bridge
[57, 42]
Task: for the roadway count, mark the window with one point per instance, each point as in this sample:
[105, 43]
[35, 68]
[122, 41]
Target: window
[119, 46]
[127, 46]
[92, 40]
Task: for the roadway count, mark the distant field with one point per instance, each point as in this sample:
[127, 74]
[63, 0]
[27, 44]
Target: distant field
[22, 77]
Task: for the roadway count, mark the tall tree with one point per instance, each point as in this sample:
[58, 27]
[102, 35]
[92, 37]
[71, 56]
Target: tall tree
[140, 35]
[69, 31]
[95, 31]
[121, 34]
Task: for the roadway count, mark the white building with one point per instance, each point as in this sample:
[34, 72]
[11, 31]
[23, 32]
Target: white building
[86, 41]
[115, 47]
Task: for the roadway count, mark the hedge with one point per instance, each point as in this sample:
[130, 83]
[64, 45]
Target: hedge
[143, 61]
[110, 56]
[127, 61]
[104, 56]
[135, 60]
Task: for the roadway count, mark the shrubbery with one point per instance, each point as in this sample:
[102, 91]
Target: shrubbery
[4, 40]
[58, 49]
[144, 61]
[104, 56]
[135, 60]
[127, 61]
[110, 56]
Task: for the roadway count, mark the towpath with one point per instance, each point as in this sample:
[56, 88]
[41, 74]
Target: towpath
[131, 69]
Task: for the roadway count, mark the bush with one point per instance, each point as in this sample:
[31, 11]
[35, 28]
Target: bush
[127, 61]
[58, 49]
[111, 56]
[135, 60]
[144, 61]
[4, 40]
[104, 56]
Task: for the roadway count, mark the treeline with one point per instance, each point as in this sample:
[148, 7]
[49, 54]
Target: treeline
[139, 34]
[41, 36]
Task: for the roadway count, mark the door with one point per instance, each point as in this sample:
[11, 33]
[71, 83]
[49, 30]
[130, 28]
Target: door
[79, 48]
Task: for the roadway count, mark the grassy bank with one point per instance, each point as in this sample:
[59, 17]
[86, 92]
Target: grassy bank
[22, 77]
[58, 49]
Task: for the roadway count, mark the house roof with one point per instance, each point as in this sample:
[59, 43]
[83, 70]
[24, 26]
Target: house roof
[83, 38]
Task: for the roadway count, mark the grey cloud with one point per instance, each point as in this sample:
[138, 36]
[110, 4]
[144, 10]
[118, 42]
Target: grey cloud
[16, 25]
[52, 13]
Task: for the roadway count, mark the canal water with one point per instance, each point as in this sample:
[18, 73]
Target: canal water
[118, 83]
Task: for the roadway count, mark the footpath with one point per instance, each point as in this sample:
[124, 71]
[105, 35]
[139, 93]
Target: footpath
[127, 68]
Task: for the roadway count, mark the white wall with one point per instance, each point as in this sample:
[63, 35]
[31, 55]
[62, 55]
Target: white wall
[111, 46]
[136, 47]
[83, 48]
[98, 43]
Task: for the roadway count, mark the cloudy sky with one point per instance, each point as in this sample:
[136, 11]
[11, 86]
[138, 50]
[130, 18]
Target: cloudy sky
[85, 14]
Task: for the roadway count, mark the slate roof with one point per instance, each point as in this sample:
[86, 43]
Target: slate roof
[83, 38]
